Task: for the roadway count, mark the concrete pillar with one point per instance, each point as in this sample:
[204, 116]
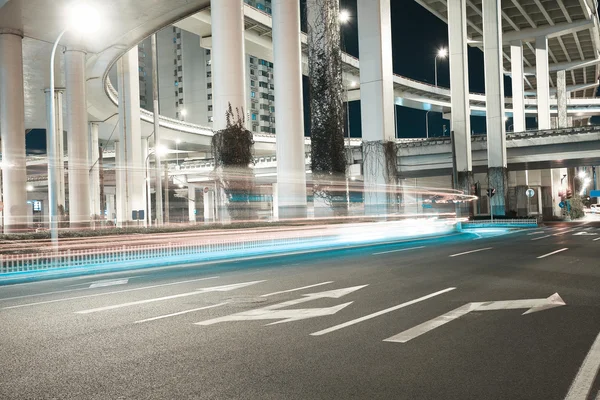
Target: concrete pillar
[94, 170]
[459, 90]
[110, 207]
[521, 188]
[377, 100]
[209, 206]
[130, 134]
[547, 193]
[542, 72]
[120, 186]
[59, 139]
[145, 146]
[77, 134]
[228, 60]
[534, 178]
[287, 53]
[12, 130]
[494, 100]
[561, 97]
[192, 203]
[518, 89]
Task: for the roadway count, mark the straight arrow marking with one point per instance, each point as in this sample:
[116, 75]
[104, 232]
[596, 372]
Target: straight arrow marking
[533, 305]
[180, 313]
[296, 289]
[275, 311]
[582, 385]
[224, 288]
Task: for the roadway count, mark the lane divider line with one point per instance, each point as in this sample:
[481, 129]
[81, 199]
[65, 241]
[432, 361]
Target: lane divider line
[472, 251]
[584, 380]
[399, 250]
[378, 313]
[295, 290]
[541, 237]
[554, 252]
[180, 313]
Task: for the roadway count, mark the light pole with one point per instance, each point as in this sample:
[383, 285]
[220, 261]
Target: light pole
[427, 124]
[177, 141]
[83, 19]
[442, 53]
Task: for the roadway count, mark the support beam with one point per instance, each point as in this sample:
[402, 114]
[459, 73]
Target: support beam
[130, 135]
[518, 98]
[567, 66]
[12, 130]
[543, 79]
[94, 171]
[192, 203]
[459, 89]
[77, 134]
[494, 100]
[228, 59]
[561, 97]
[291, 175]
[550, 31]
[377, 100]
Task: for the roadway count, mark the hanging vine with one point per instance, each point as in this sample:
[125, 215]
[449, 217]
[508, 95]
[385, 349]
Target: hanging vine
[380, 171]
[232, 151]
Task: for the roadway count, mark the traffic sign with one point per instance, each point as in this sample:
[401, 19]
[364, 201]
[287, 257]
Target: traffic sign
[491, 192]
[530, 193]
[594, 193]
[561, 204]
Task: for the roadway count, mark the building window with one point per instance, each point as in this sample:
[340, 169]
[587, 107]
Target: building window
[252, 60]
[207, 52]
[252, 83]
[272, 87]
[180, 90]
[264, 118]
[209, 74]
[210, 107]
[209, 97]
[253, 94]
[251, 72]
[180, 68]
[253, 117]
[272, 109]
[209, 85]
[210, 119]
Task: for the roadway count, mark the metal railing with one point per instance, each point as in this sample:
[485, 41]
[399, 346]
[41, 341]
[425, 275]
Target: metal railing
[522, 223]
[194, 252]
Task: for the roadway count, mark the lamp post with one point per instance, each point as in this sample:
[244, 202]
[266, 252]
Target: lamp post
[442, 53]
[427, 124]
[83, 19]
[177, 141]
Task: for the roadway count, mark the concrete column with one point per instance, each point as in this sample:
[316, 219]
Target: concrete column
[130, 133]
[77, 134]
[120, 184]
[542, 72]
[12, 130]
[228, 60]
[518, 89]
[209, 206]
[547, 193]
[534, 181]
[145, 146]
[192, 203]
[58, 136]
[94, 170]
[561, 97]
[377, 100]
[494, 100]
[110, 206]
[287, 53]
[459, 90]
[521, 188]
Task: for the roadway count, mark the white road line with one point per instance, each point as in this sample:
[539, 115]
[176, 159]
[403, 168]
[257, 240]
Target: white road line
[44, 294]
[378, 313]
[399, 250]
[295, 290]
[180, 313]
[596, 239]
[563, 232]
[224, 288]
[598, 397]
[472, 251]
[554, 252]
[109, 283]
[536, 233]
[103, 280]
[562, 229]
[106, 294]
[541, 237]
[582, 385]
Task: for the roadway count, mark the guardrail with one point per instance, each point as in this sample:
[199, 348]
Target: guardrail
[501, 223]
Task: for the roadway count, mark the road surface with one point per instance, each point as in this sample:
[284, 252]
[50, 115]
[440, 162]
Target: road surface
[431, 319]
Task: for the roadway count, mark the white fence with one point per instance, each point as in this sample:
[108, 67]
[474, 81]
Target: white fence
[193, 252]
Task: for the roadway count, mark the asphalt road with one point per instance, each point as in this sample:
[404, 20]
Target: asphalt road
[352, 324]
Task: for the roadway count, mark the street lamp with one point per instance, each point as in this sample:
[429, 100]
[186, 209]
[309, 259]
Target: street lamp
[344, 16]
[177, 141]
[442, 53]
[83, 19]
[427, 124]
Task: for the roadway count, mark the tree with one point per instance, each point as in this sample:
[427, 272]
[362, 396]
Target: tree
[576, 205]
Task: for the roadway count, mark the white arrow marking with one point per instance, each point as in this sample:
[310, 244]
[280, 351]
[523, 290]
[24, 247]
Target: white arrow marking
[296, 289]
[582, 385]
[533, 305]
[180, 313]
[275, 312]
[225, 288]
[112, 282]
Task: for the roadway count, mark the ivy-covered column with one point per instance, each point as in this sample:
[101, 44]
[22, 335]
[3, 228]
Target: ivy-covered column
[328, 161]
[377, 105]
